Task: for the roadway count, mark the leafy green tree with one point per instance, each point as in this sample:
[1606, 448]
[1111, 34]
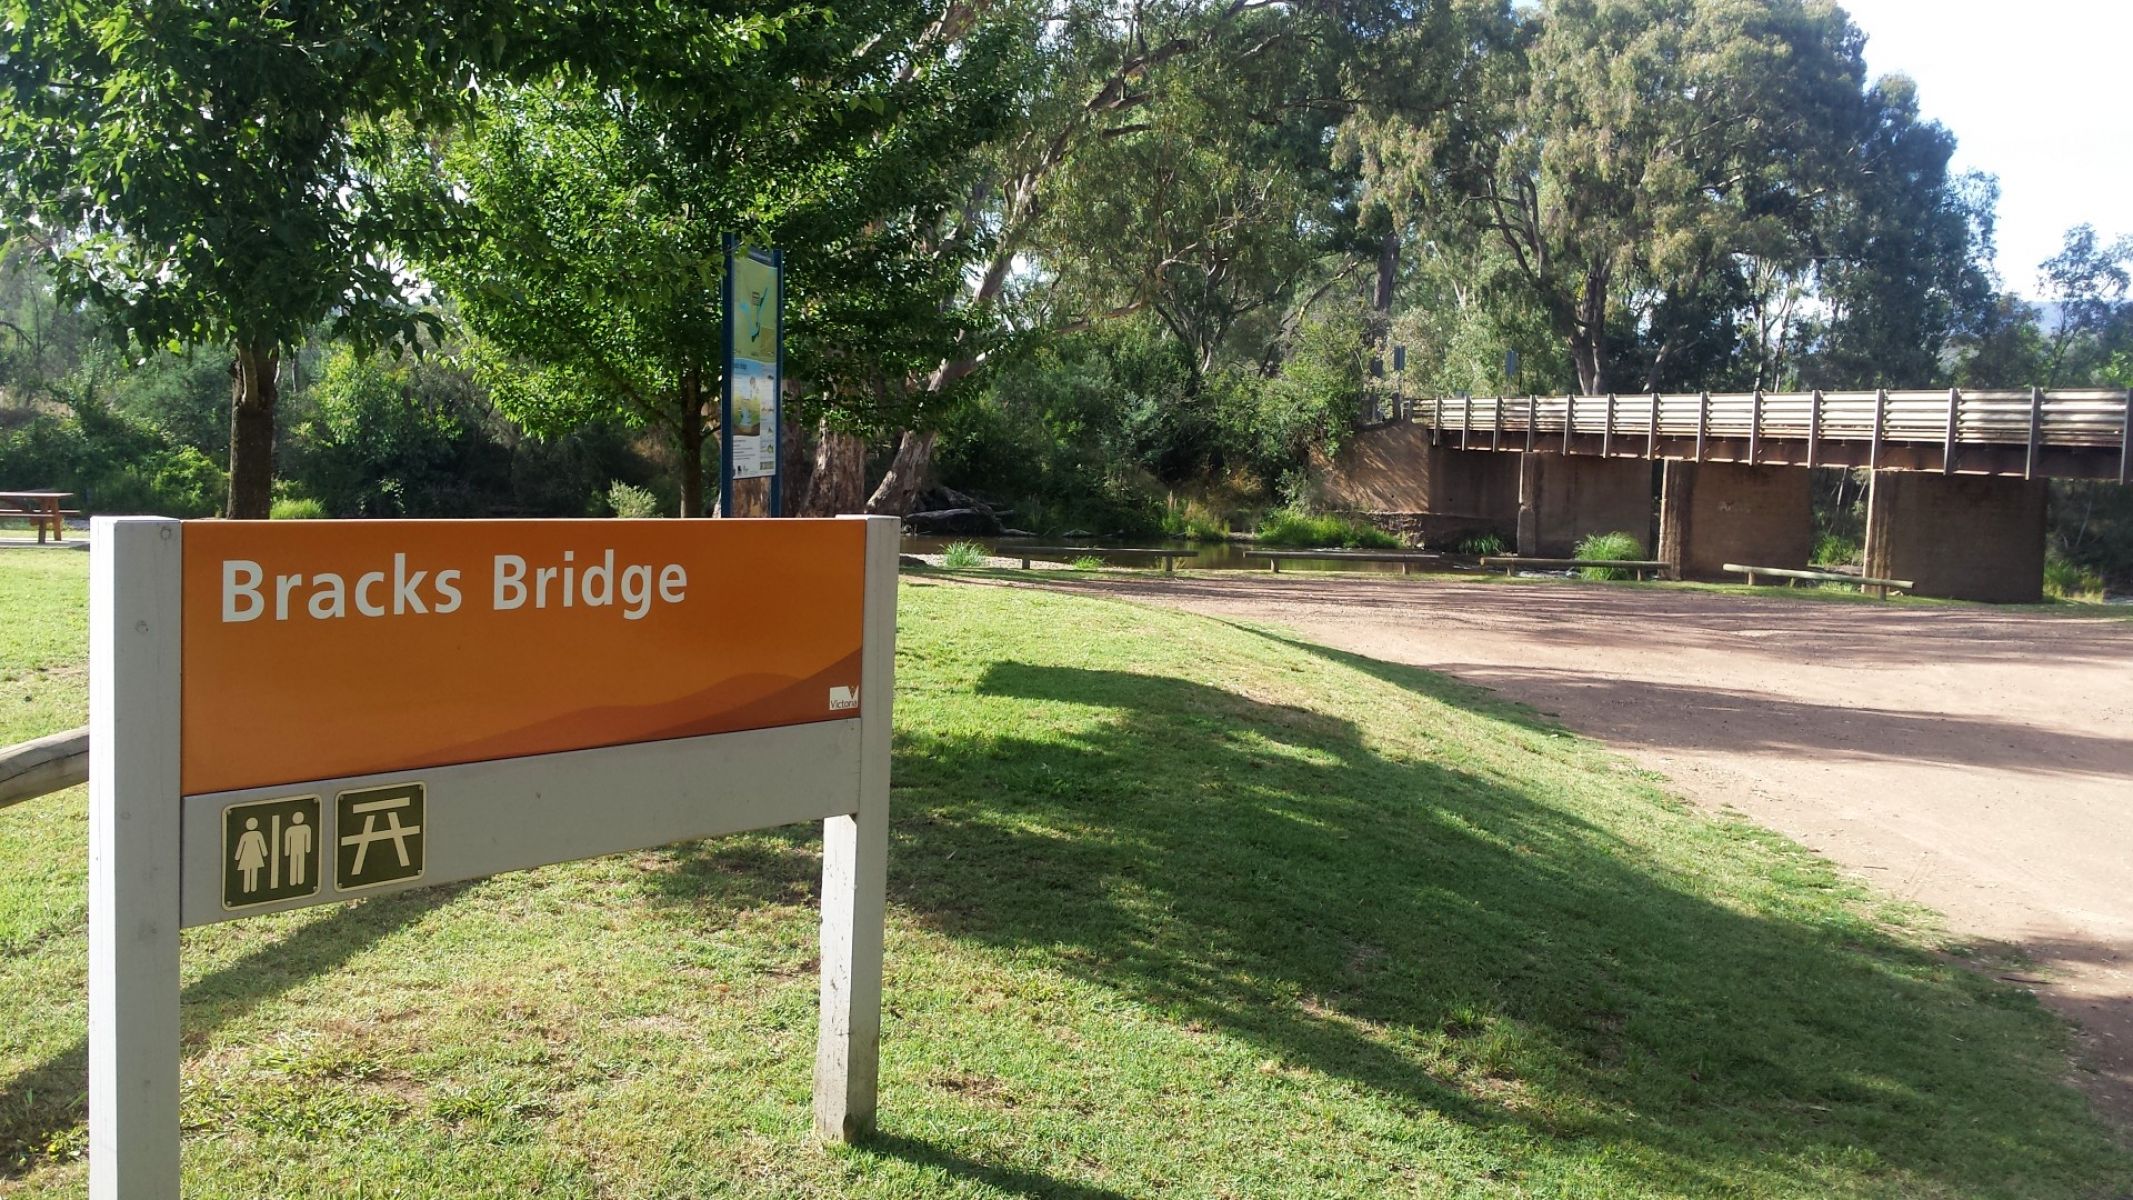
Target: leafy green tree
[591, 259]
[1178, 163]
[375, 438]
[1194, 214]
[191, 170]
[202, 173]
[104, 429]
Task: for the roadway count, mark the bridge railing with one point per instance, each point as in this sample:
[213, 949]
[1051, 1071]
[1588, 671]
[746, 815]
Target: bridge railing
[2034, 419]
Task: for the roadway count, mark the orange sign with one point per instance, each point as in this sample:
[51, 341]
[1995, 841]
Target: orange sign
[315, 650]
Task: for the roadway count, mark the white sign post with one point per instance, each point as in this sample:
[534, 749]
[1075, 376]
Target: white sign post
[134, 643]
[162, 859]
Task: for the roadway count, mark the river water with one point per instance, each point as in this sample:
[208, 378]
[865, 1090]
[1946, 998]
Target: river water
[1207, 556]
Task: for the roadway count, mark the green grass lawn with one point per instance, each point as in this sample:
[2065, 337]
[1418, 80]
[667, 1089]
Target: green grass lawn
[1178, 908]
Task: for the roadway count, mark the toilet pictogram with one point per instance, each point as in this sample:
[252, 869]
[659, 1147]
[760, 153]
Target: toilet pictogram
[270, 851]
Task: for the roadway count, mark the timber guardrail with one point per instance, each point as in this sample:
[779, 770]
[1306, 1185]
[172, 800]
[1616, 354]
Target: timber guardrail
[1406, 558]
[1028, 553]
[1511, 564]
[2031, 421]
[1865, 581]
[47, 764]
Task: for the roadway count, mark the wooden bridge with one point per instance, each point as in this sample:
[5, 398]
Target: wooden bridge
[2067, 434]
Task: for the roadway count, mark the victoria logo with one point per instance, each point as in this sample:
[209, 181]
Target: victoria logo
[843, 698]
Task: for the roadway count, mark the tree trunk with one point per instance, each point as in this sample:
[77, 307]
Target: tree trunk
[1380, 332]
[907, 474]
[838, 484]
[1586, 355]
[691, 431]
[1388, 271]
[796, 467]
[254, 388]
[1588, 338]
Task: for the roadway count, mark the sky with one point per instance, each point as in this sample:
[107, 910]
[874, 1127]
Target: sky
[2037, 92]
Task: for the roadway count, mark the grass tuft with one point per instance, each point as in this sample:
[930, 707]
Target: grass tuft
[1483, 545]
[2064, 580]
[964, 554]
[296, 508]
[1289, 527]
[1611, 546]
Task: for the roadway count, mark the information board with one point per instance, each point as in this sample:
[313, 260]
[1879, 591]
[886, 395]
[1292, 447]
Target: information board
[754, 369]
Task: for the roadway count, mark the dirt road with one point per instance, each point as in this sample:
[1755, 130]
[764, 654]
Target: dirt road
[1976, 761]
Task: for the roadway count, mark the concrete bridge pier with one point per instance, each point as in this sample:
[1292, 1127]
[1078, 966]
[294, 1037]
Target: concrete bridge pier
[1563, 498]
[1960, 537]
[1711, 514]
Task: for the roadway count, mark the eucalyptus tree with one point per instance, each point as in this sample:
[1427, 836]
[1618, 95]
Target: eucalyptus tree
[1898, 274]
[1208, 207]
[1174, 158]
[1638, 148]
[1096, 73]
[2087, 283]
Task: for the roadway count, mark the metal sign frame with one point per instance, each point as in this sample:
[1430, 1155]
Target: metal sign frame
[155, 854]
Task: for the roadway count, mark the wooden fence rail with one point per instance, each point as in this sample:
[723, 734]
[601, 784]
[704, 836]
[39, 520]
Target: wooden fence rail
[2030, 419]
[48, 764]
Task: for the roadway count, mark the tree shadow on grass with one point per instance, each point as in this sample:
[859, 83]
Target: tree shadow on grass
[1005, 1179]
[715, 879]
[1461, 941]
[48, 1100]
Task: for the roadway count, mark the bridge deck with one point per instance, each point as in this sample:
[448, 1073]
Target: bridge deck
[2033, 433]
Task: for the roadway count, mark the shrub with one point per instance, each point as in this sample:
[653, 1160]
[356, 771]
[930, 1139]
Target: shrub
[1482, 544]
[1088, 562]
[964, 554]
[175, 481]
[1287, 527]
[629, 500]
[1617, 545]
[1835, 550]
[1193, 521]
[2064, 580]
[297, 508]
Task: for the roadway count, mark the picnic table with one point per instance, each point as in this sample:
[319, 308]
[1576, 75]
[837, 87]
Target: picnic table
[42, 508]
